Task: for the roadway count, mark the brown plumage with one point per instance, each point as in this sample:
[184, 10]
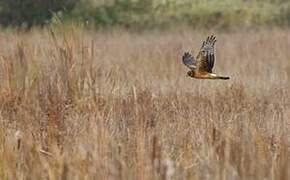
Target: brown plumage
[201, 68]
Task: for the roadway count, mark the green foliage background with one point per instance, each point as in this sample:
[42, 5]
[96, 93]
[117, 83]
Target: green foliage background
[31, 12]
[148, 14]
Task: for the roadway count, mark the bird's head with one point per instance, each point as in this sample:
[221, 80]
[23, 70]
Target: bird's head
[190, 73]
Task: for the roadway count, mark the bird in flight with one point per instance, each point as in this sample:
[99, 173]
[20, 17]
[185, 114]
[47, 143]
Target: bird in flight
[201, 67]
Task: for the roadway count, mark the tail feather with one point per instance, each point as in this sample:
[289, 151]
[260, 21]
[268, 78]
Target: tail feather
[223, 77]
[214, 76]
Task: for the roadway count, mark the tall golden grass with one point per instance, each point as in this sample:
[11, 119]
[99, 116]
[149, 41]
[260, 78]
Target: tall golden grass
[78, 104]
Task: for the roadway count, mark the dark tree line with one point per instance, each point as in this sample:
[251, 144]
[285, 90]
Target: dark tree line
[31, 12]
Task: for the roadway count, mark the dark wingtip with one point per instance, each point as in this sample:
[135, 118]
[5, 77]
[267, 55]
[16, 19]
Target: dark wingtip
[186, 54]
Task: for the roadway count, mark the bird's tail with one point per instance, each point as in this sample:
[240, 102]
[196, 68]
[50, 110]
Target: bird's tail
[214, 76]
[223, 77]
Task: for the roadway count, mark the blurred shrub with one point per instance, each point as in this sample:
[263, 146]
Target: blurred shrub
[31, 12]
[128, 13]
[148, 14]
[282, 17]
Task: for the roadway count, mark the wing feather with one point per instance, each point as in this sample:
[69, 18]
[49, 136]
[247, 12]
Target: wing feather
[206, 56]
[188, 60]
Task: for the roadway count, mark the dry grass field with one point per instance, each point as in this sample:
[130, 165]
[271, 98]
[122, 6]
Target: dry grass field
[78, 104]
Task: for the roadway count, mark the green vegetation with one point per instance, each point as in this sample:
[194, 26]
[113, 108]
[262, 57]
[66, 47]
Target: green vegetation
[147, 14]
[198, 14]
[31, 12]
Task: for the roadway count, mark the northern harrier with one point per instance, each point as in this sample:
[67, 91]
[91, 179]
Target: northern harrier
[201, 68]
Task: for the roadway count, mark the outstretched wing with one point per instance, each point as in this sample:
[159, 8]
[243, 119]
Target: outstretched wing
[189, 61]
[206, 57]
